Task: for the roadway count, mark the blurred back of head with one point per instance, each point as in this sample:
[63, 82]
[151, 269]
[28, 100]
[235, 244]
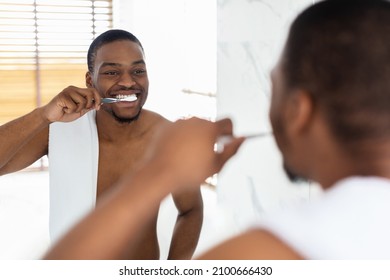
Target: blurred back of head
[339, 52]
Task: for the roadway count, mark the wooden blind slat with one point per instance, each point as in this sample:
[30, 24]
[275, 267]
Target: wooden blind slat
[56, 35]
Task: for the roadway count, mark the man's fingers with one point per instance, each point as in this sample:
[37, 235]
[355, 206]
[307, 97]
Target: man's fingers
[224, 127]
[77, 100]
[229, 150]
[95, 99]
[68, 105]
[86, 98]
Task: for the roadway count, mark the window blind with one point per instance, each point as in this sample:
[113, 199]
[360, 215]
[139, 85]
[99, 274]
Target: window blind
[43, 48]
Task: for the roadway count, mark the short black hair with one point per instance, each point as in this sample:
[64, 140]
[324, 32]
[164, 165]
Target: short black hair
[105, 38]
[339, 51]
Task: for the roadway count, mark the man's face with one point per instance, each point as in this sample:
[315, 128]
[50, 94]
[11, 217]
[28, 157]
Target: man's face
[120, 69]
[279, 121]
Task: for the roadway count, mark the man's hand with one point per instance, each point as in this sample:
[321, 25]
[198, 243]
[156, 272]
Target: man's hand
[71, 103]
[186, 149]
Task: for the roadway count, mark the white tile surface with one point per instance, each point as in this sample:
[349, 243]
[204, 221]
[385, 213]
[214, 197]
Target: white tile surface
[24, 215]
[250, 38]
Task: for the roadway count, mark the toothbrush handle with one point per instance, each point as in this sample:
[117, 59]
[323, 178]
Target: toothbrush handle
[109, 100]
[225, 139]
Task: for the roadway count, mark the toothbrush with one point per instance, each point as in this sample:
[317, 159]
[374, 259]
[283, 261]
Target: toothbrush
[226, 139]
[120, 98]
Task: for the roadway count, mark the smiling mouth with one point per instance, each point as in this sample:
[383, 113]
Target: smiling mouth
[128, 98]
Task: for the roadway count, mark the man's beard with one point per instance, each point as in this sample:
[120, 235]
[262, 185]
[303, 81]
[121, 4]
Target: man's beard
[294, 177]
[122, 120]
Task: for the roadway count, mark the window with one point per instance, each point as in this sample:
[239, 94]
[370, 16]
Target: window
[43, 48]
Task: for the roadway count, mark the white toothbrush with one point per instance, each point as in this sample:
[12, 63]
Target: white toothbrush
[128, 98]
[225, 139]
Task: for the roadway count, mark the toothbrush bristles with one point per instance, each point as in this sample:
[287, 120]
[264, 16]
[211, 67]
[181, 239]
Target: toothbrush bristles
[121, 96]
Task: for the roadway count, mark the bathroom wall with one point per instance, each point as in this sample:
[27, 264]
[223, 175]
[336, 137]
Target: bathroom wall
[251, 35]
[179, 38]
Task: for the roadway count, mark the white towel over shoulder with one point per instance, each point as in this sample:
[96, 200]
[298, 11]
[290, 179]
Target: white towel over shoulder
[73, 165]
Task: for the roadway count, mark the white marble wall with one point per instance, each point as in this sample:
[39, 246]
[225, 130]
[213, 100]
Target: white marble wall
[251, 35]
[179, 38]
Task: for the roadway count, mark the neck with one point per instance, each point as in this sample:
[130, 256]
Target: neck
[110, 129]
[366, 158]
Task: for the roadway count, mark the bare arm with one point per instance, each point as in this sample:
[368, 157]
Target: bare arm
[252, 245]
[25, 140]
[188, 224]
[125, 211]
[20, 141]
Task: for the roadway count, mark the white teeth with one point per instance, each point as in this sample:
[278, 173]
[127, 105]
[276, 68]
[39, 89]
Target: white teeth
[122, 96]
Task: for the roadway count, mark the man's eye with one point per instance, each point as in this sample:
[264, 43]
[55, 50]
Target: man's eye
[139, 72]
[110, 73]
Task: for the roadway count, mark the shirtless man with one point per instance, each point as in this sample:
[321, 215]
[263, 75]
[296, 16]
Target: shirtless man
[116, 66]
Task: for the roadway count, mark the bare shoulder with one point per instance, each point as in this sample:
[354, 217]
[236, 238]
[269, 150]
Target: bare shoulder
[252, 245]
[154, 118]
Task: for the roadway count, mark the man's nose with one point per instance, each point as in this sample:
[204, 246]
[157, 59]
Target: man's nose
[126, 80]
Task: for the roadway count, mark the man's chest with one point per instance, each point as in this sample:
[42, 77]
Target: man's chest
[115, 161]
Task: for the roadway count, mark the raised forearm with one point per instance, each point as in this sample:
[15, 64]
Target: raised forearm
[25, 139]
[15, 134]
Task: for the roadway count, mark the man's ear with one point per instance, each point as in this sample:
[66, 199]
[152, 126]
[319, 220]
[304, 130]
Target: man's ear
[299, 111]
[88, 80]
